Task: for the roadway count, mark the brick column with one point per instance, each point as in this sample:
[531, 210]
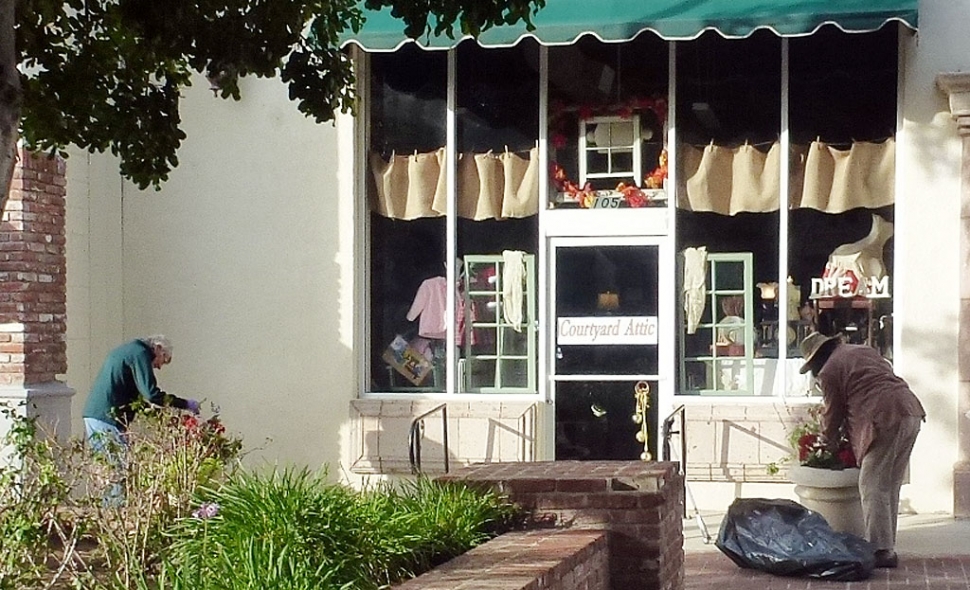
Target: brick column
[957, 88]
[33, 293]
[639, 504]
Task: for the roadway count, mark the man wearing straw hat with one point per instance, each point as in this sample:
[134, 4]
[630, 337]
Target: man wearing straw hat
[881, 416]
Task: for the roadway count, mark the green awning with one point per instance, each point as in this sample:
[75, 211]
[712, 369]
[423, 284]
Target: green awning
[561, 22]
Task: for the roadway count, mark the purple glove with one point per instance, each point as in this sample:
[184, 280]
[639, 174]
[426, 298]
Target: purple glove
[192, 406]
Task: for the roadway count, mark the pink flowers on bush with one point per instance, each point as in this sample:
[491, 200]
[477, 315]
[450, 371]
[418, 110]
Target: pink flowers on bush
[206, 510]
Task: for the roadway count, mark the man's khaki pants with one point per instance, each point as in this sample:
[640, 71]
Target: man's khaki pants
[880, 477]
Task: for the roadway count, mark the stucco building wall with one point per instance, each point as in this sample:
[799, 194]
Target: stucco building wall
[241, 259]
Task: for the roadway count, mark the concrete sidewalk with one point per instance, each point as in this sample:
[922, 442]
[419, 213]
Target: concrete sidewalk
[934, 554]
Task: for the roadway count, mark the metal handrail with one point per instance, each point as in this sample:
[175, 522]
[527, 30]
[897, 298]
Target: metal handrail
[666, 431]
[414, 438]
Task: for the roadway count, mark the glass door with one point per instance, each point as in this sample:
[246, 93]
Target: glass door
[605, 347]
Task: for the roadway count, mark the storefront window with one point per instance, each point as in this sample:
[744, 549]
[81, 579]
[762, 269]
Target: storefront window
[498, 202]
[408, 105]
[728, 129]
[838, 239]
[756, 271]
[496, 198]
[843, 121]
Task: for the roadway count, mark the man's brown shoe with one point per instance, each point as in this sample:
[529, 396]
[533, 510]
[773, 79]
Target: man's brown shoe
[886, 558]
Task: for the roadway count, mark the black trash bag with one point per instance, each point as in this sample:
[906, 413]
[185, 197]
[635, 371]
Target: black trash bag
[784, 538]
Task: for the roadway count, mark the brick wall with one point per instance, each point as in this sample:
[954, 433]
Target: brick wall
[639, 505]
[532, 560]
[32, 274]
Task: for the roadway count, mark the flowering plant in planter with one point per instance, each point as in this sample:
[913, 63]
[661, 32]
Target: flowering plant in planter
[808, 450]
[806, 439]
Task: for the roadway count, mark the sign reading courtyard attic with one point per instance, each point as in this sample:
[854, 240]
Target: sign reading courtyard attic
[606, 330]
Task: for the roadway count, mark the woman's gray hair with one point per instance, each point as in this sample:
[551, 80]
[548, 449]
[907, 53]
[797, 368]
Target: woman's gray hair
[158, 341]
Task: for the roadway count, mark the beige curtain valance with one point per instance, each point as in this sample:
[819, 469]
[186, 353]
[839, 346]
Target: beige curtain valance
[729, 180]
[490, 185]
[837, 180]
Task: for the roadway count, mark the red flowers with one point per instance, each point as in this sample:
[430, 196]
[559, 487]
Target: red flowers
[847, 457]
[656, 178]
[812, 452]
[586, 196]
[193, 424]
[807, 443]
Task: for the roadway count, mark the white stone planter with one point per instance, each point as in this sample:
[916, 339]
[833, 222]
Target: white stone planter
[832, 493]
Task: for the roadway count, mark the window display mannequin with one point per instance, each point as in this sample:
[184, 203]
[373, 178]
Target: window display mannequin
[862, 260]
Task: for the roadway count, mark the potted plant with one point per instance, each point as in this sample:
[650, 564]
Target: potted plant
[826, 477]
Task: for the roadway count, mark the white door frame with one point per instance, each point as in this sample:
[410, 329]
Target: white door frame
[667, 318]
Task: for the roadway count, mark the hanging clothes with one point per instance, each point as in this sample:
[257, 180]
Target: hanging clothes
[731, 180]
[431, 304]
[480, 186]
[513, 277]
[695, 286]
[409, 185]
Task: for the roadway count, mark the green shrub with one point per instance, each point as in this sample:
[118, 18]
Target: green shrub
[294, 530]
[31, 493]
[53, 500]
[169, 456]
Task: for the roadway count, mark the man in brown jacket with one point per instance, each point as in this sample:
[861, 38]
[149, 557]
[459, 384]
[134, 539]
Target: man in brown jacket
[881, 416]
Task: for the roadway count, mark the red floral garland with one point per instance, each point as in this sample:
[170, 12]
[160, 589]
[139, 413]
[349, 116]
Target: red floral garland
[632, 194]
[586, 195]
[558, 137]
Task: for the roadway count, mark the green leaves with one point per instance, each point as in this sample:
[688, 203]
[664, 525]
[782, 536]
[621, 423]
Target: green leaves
[472, 17]
[292, 529]
[107, 74]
